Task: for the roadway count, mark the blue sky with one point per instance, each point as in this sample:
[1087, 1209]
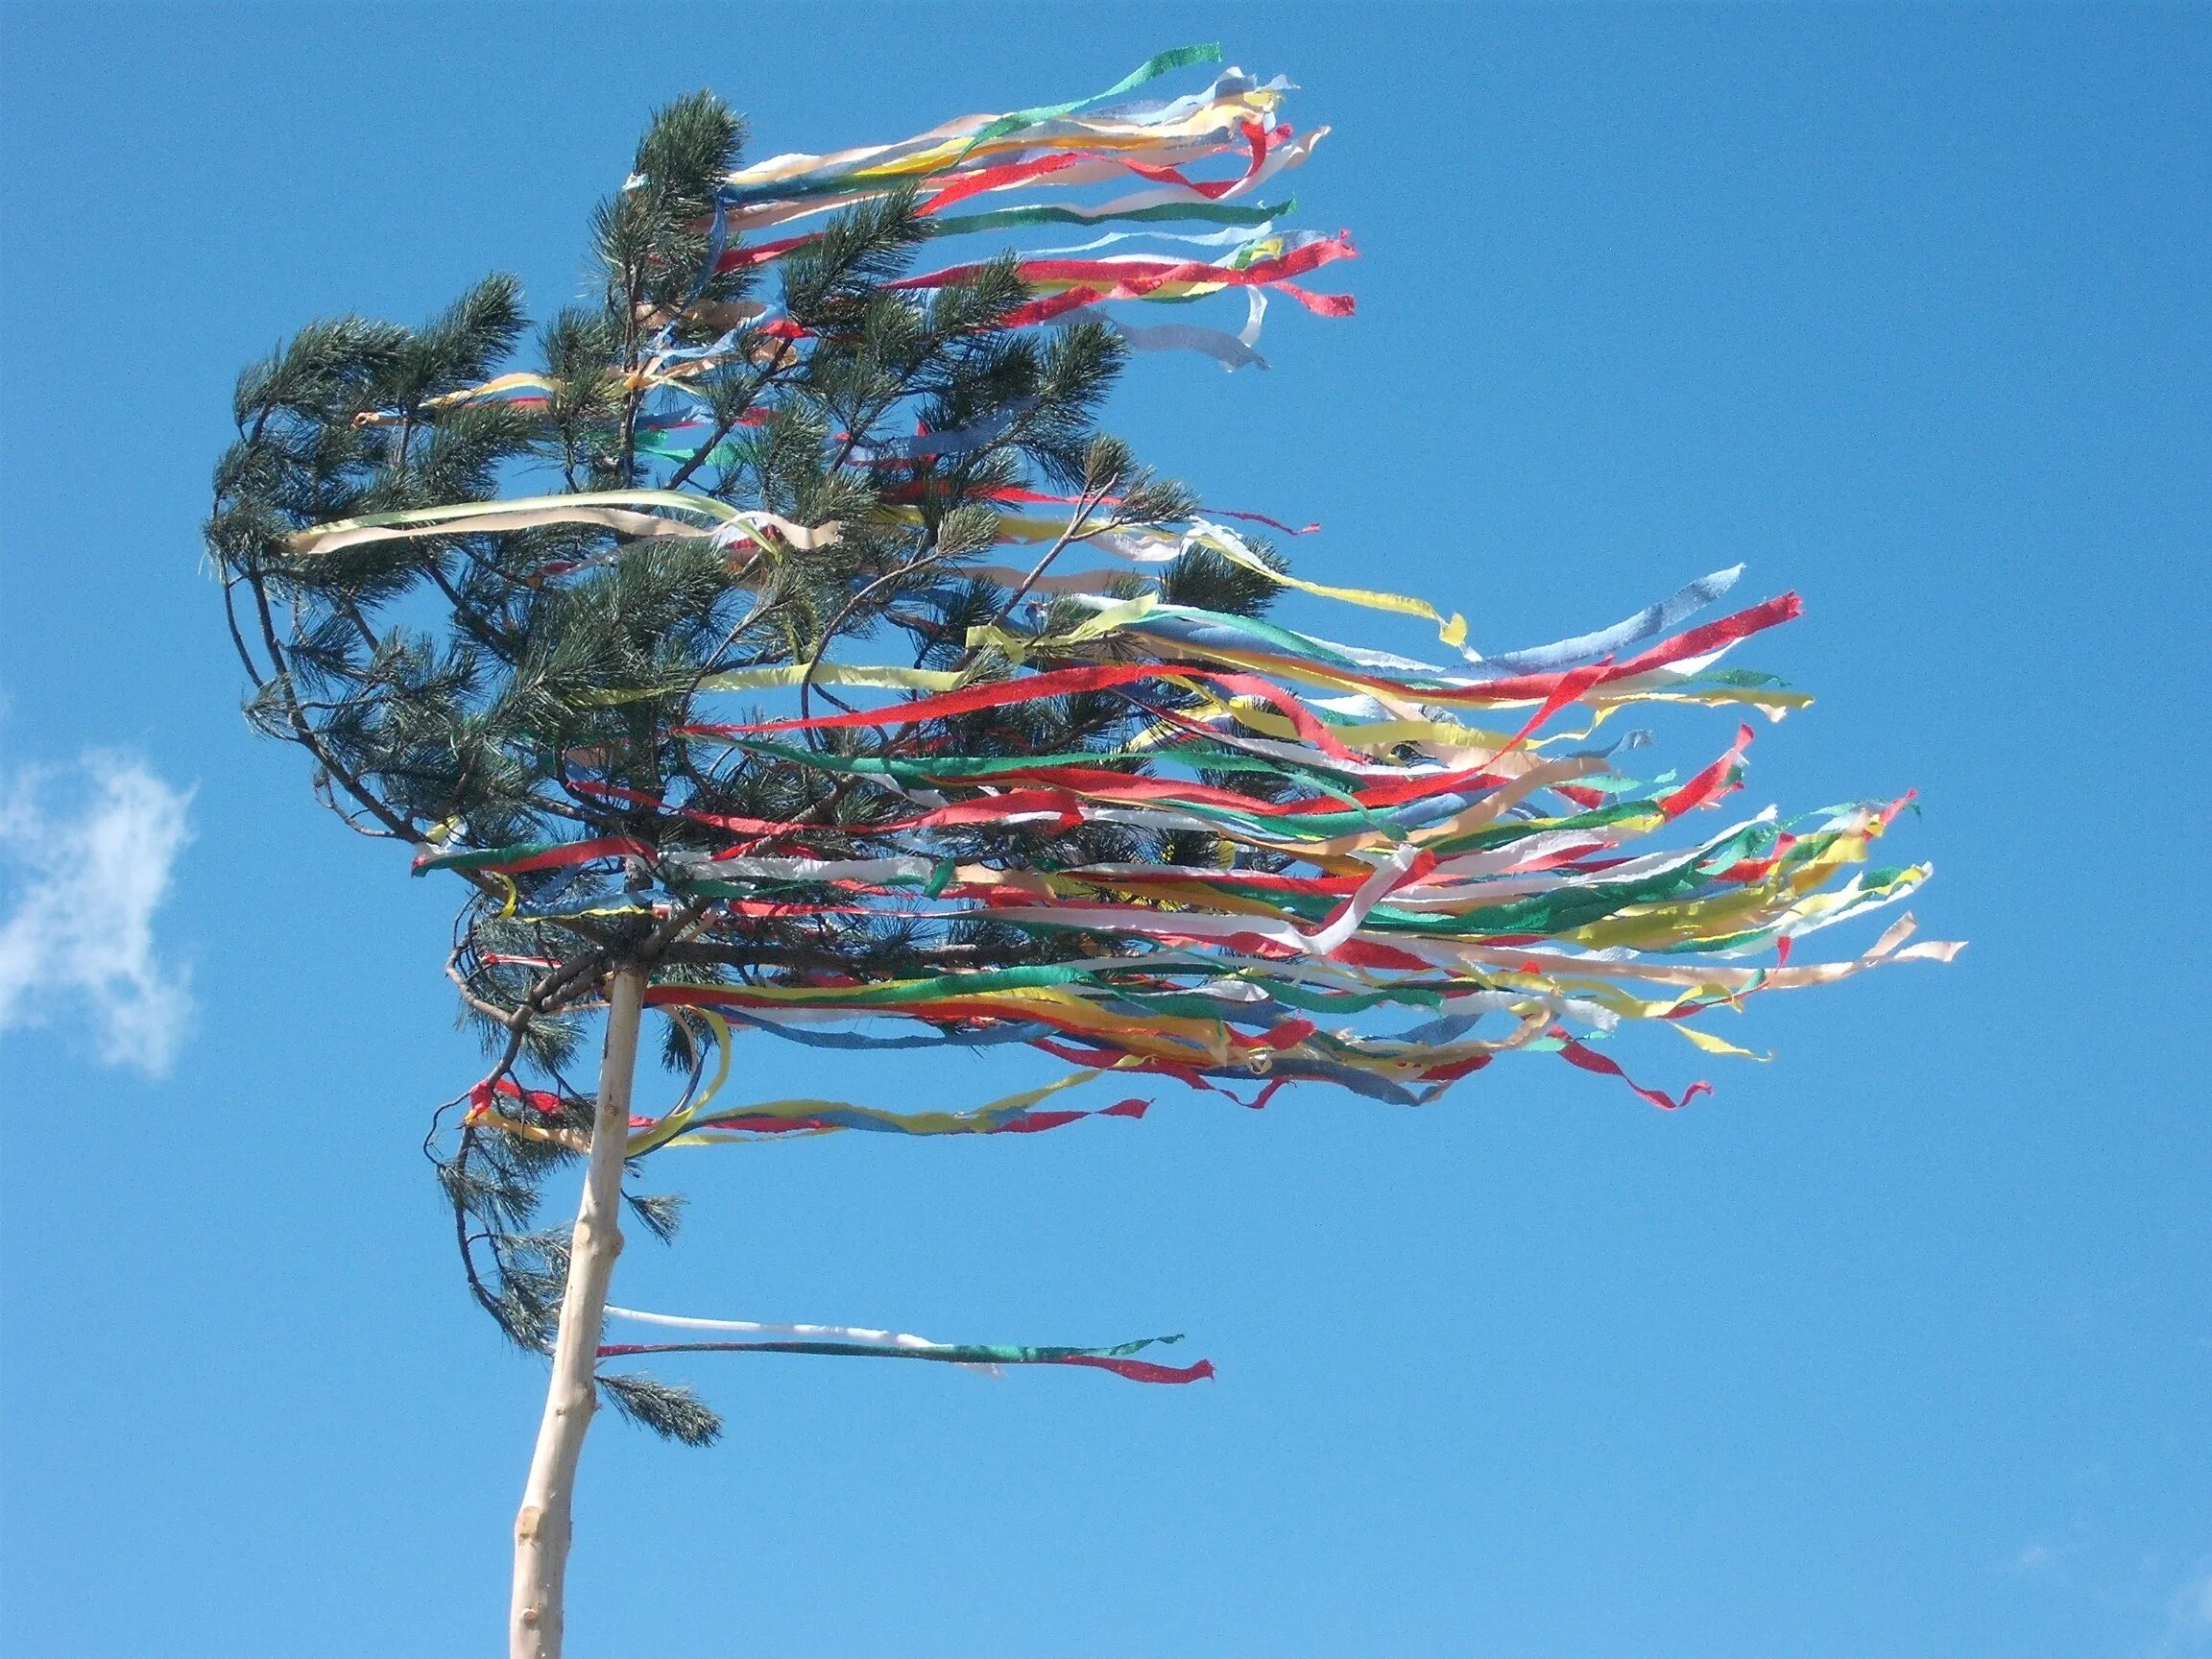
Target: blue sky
[1899, 1345]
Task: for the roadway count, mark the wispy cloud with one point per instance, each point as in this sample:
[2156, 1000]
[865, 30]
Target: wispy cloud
[79, 886]
[2188, 1615]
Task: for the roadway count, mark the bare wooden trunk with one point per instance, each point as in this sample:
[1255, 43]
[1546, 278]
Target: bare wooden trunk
[543, 1526]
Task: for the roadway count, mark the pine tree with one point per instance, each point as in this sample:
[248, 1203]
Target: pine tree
[446, 685]
[529, 691]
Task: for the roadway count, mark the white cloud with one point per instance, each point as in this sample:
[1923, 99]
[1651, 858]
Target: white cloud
[79, 891]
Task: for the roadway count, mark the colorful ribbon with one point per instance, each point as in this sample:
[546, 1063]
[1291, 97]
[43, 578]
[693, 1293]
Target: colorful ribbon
[851, 1342]
[1279, 858]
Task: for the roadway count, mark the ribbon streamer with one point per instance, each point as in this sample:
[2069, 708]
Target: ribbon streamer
[849, 1342]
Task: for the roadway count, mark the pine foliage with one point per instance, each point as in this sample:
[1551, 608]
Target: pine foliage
[444, 687]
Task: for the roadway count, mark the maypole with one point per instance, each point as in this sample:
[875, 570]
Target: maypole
[1100, 804]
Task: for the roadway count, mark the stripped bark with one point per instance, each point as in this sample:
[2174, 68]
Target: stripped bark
[543, 1528]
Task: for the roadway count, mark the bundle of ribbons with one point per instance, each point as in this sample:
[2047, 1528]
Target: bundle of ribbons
[972, 176]
[1411, 866]
[1414, 868]
[1186, 191]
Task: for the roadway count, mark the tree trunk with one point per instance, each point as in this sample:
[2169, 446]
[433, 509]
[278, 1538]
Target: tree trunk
[542, 1527]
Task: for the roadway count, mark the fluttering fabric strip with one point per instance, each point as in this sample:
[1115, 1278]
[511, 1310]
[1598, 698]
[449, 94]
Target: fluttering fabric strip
[749, 1337]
